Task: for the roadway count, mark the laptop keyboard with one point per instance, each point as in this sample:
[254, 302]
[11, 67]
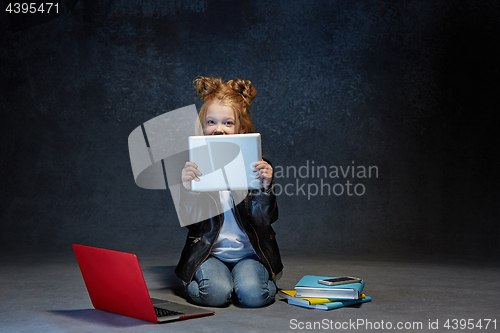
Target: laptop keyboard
[164, 312]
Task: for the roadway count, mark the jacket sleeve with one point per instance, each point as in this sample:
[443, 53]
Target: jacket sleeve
[195, 207]
[264, 208]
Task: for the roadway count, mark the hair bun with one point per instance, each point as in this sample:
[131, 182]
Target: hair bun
[245, 88]
[205, 86]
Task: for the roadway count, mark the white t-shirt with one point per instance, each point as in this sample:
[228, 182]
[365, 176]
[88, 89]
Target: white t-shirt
[232, 244]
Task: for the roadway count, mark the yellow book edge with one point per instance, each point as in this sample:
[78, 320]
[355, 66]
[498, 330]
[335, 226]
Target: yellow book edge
[313, 301]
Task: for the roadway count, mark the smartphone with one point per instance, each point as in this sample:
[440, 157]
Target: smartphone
[339, 280]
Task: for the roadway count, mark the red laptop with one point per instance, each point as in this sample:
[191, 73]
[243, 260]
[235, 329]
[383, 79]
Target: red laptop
[115, 284]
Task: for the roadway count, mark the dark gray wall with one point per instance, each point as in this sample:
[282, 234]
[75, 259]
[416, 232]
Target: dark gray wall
[410, 87]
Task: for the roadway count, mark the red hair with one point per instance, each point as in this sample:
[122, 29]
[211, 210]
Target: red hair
[237, 94]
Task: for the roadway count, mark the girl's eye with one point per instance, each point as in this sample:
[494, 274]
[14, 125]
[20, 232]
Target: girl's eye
[229, 123]
[210, 122]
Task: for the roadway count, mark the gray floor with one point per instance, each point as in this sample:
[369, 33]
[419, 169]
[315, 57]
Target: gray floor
[46, 293]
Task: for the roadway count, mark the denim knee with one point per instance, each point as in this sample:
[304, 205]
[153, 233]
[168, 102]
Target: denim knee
[216, 293]
[257, 294]
[212, 284]
[252, 284]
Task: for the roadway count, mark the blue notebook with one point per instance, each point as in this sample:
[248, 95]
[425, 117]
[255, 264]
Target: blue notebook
[308, 286]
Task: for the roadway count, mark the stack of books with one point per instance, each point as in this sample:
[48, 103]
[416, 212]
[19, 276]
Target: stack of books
[309, 293]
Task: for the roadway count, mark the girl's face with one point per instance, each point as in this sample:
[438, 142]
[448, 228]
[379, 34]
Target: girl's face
[220, 119]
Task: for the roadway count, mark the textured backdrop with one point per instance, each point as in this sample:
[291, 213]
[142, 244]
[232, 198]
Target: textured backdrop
[406, 87]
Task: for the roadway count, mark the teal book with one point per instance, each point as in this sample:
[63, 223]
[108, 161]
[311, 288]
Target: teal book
[308, 287]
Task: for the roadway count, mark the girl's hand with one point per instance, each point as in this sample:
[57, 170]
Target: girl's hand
[265, 173]
[189, 173]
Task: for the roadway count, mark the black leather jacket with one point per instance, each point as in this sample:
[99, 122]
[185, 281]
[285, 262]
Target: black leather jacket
[254, 214]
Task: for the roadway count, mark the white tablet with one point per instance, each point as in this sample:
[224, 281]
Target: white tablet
[225, 161]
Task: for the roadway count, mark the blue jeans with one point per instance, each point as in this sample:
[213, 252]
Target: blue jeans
[213, 283]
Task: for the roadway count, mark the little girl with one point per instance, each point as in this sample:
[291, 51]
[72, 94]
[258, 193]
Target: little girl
[235, 249]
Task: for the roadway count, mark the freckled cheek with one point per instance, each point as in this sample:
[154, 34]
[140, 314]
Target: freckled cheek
[230, 130]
